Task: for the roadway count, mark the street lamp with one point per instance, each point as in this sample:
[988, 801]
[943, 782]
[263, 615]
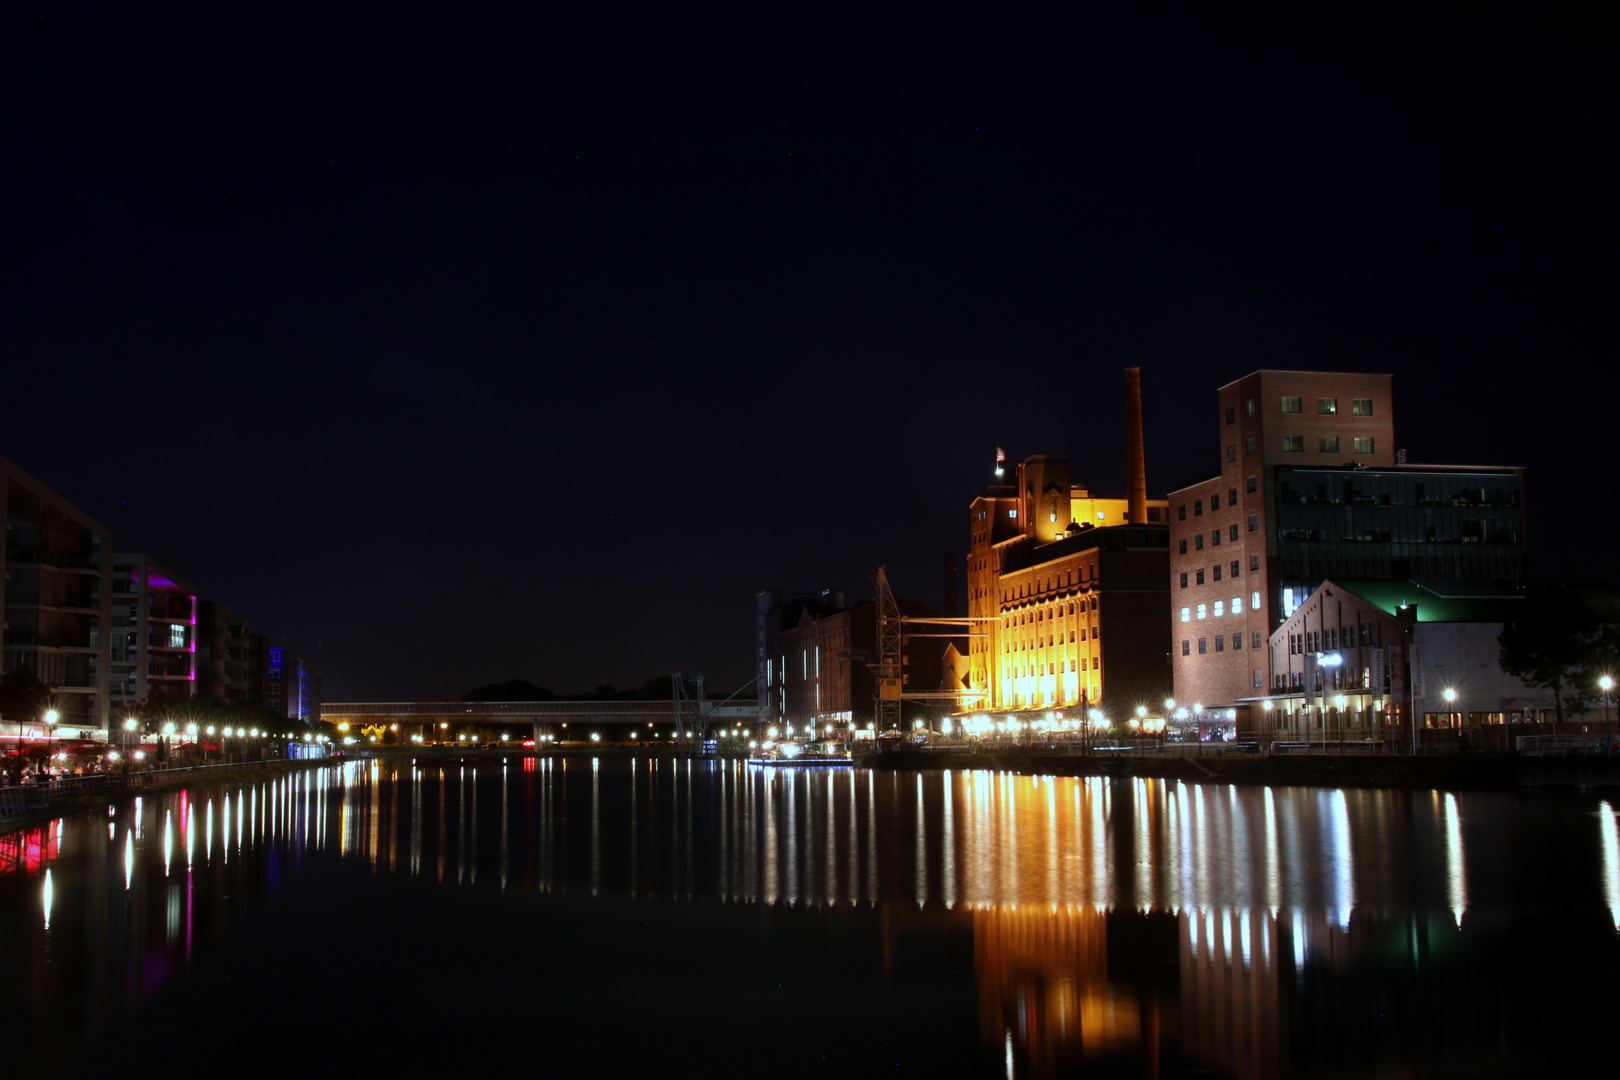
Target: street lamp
[1451, 696]
[1607, 683]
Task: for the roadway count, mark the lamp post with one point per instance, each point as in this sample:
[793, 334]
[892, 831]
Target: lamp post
[1451, 697]
[1607, 684]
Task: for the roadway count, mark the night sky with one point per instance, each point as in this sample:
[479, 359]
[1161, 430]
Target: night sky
[470, 341]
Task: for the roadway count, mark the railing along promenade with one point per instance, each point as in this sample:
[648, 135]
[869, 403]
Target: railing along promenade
[17, 798]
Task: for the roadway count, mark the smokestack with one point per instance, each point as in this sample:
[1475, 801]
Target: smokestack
[1135, 459]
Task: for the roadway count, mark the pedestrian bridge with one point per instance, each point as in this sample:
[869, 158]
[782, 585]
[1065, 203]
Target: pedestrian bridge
[484, 721]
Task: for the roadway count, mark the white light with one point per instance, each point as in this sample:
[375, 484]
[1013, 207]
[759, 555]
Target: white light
[168, 729]
[1266, 705]
[51, 716]
[1331, 660]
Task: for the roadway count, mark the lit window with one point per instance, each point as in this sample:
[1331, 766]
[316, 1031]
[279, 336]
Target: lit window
[1202, 613]
[1327, 406]
[1293, 405]
[1364, 444]
[1237, 605]
[177, 636]
[1012, 513]
[1254, 602]
[1185, 614]
[1293, 444]
[1248, 407]
[1288, 602]
[1220, 608]
[1361, 406]
[1327, 444]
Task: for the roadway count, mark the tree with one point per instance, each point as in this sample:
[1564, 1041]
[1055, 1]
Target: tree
[1551, 645]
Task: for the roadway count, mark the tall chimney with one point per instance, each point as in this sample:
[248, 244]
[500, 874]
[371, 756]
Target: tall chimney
[1135, 459]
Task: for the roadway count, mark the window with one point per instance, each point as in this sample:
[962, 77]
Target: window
[1254, 568]
[1198, 508]
[1217, 575]
[1198, 542]
[1293, 444]
[1186, 648]
[1257, 645]
[1236, 571]
[1231, 452]
[1231, 496]
[1203, 646]
[177, 636]
[1215, 537]
[1231, 533]
[1254, 484]
[1254, 603]
[1215, 501]
[1361, 406]
[1186, 614]
[1203, 613]
[1248, 407]
[1293, 405]
[1220, 608]
[1237, 605]
[1327, 406]
[1200, 577]
[1096, 663]
[1248, 448]
[1181, 512]
[1363, 444]
[1184, 547]
[1093, 603]
[1012, 513]
[1254, 523]
[1257, 675]
[1184, 579]
[1237, 642]
[1220, 643]
[1327, 444]
[1231, 416]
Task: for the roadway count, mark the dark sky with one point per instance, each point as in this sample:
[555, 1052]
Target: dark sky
[469, 341]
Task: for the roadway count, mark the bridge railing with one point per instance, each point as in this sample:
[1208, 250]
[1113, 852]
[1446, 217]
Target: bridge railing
[1568, 745]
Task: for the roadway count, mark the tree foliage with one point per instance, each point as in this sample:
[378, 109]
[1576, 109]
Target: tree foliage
[1560, 641]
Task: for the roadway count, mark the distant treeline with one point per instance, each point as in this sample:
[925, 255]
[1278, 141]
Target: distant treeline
[658, 688]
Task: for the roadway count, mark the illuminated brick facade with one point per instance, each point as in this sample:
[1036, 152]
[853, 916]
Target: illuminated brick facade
[1064, 590]
[1308, 489]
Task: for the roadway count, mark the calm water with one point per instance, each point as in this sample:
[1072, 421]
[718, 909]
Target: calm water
[654, 917]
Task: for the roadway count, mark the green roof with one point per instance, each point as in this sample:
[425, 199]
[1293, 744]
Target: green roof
[1440, 601]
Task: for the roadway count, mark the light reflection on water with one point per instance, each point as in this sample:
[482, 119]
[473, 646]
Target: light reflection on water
[1082, 894]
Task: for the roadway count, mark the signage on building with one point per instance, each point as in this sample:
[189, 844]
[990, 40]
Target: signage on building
[1313, 678]
[1417, 671]
[1377, 678]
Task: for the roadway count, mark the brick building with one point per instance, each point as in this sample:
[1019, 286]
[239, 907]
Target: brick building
[1068, 592]
[816, 657]
[1310, 488]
